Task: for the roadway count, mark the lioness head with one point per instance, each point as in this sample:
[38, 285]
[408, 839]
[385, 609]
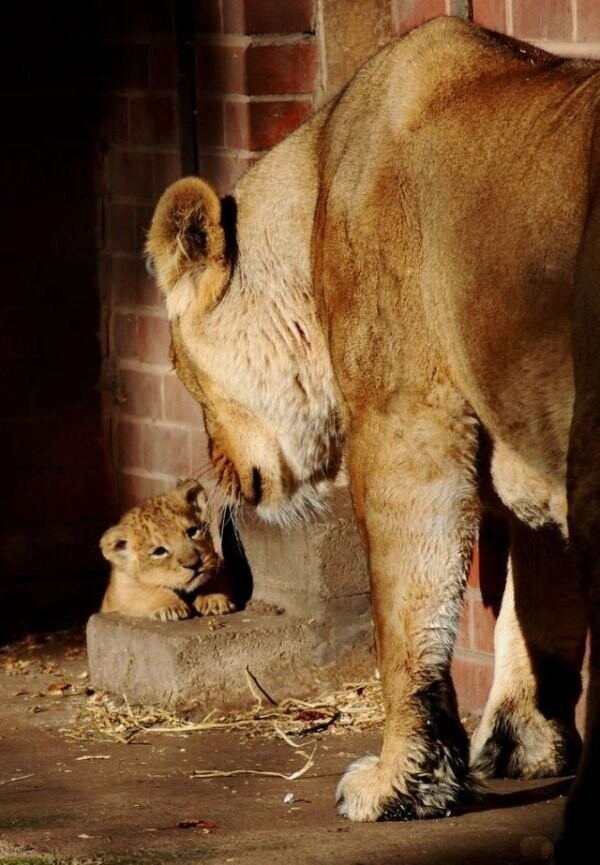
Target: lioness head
[246, 342]
[165, 541]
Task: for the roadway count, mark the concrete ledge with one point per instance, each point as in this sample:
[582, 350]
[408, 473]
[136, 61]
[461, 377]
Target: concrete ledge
[202, 662]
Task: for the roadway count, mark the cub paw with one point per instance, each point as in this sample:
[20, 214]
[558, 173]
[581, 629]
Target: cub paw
[215, 604]
[172, 611]
[531, 746]
[368, 792]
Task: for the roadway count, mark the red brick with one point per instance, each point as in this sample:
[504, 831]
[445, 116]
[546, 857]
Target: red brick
[167, 169]
[117, 119]
[260, 125]
[142, 392]
[222, 171]
[130, 444]
[179, 404]
[135, 488]
[268, 16]
[132, 286]
[490, 14]
[484, 622]
[122, 227]
[209, 18]
[472, 676]
[287, 68]
[153, 121]
[124, 335]
[463, 640]
[474, 569]
[407, 14]
[549, 20]
[588, 20]
[210, 121]
[200, 462]
[462, 8]
[132, 175]
[128, 66]
[220, 69]
[143, 218]
[154, 339]
[163, 67]
[167, 450]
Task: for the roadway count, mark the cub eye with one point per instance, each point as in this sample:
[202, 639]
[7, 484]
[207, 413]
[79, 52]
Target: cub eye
[159, 552]
[194, 532]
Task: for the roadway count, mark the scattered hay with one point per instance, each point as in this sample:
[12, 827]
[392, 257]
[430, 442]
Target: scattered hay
[355, 706]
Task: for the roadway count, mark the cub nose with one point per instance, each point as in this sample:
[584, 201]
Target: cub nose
[193, 565]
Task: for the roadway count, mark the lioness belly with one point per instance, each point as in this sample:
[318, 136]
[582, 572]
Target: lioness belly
[529, 424]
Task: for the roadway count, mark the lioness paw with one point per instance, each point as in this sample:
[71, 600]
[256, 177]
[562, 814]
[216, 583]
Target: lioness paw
[525, 745]
[370, 792]
[215, 604]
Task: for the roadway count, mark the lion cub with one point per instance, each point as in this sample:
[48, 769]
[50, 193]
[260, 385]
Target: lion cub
[164, 565]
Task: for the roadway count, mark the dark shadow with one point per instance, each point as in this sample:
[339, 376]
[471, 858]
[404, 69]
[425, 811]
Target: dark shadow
[494, 546]
[491, 799]
[236, 561]
[55, 495]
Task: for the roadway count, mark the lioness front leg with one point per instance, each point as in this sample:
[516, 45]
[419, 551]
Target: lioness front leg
[414, 490]
[528, 726]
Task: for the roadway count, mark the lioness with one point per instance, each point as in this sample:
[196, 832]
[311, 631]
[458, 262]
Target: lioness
[411, 273]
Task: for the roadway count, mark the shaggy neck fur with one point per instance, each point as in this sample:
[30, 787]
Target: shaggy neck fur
[285, 339]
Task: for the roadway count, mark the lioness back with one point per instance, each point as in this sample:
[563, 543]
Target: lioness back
[455, 172]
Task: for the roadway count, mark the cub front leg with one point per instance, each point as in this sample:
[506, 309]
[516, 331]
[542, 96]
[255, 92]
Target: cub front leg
[415, 497]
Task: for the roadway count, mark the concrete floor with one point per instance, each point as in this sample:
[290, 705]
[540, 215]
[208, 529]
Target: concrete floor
[125, 805]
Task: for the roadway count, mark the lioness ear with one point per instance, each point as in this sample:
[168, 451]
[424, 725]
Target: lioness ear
[188, 244]
[115, 544]
[193, 493]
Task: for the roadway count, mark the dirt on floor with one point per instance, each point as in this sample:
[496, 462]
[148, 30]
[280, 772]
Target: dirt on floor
[72, 794]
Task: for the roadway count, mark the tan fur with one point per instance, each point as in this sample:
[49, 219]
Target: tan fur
[411, 267]
[186, 577]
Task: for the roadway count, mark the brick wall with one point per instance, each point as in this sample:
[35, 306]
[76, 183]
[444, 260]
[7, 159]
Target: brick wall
[256, 77]
[256, 66]
[569, 27]
[155, 428]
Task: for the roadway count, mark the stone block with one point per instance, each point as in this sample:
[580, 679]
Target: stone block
[202, 663]
[305, 570]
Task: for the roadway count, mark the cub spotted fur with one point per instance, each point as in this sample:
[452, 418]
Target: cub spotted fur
[164, 565]
[414, 272]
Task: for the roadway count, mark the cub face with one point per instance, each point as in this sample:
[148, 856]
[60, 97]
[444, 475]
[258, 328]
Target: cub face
[165, 541]
[246, 343]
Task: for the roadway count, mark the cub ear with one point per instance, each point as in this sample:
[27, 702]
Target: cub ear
[193, 493]
[188, 243]
[115, 545]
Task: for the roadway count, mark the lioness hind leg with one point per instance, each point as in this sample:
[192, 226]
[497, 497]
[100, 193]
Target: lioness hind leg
[528, 726]
[414, 492]
[580, 842]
